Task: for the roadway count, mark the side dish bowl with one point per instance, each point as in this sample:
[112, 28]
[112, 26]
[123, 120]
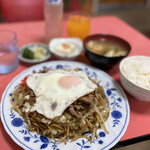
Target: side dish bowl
[28, 57]
[101, 61]
[135, 76]
[66, 48]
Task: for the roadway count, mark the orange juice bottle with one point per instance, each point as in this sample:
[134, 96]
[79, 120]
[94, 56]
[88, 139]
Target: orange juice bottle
[78, 26]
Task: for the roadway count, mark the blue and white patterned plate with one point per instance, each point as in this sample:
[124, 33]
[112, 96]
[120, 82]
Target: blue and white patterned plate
[116, 124]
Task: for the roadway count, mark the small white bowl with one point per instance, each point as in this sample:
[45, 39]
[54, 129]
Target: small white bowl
[75, 42]
[133, 82]
[33, 61]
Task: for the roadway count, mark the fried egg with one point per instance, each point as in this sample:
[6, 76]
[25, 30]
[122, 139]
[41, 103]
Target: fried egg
[57, 89]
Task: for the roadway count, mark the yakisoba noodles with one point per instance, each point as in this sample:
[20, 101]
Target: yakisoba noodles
[86, 114]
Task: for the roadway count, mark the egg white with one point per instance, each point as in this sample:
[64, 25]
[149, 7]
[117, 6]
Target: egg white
[51, 98]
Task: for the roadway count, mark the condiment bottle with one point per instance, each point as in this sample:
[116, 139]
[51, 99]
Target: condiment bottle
[53, 12]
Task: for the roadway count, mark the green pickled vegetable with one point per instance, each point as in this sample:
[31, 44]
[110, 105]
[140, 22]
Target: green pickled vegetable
[27, 53]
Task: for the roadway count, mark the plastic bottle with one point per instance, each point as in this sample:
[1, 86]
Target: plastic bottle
[53, 12]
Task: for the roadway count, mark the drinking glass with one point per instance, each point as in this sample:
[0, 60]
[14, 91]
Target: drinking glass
[78, 25]
[8, 51]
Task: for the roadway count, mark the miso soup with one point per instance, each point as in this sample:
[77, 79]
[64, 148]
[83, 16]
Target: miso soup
[106, 48]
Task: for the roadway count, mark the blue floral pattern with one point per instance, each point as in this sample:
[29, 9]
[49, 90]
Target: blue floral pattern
[27, 136]
[84, 144]
[117, 101]
[116, 104]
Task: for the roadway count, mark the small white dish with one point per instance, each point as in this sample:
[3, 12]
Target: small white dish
[47, 54]
[66, 48]
[135, 76]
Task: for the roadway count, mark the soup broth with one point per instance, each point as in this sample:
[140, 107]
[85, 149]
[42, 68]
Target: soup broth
[106, 48]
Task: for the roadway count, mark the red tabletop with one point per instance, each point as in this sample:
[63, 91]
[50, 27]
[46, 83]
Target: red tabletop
[30, 32]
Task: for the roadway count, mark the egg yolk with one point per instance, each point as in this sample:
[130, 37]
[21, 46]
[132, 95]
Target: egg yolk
[69, 82]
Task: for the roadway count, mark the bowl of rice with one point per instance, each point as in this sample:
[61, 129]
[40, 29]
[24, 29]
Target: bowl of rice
[135, 76]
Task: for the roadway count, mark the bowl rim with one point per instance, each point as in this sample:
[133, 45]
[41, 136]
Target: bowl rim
[121, 73]
[108, 35]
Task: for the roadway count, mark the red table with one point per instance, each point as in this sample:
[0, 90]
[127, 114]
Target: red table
[29, 32]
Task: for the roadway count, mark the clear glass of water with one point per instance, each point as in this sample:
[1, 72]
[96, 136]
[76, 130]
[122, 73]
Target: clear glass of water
[8, 51]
